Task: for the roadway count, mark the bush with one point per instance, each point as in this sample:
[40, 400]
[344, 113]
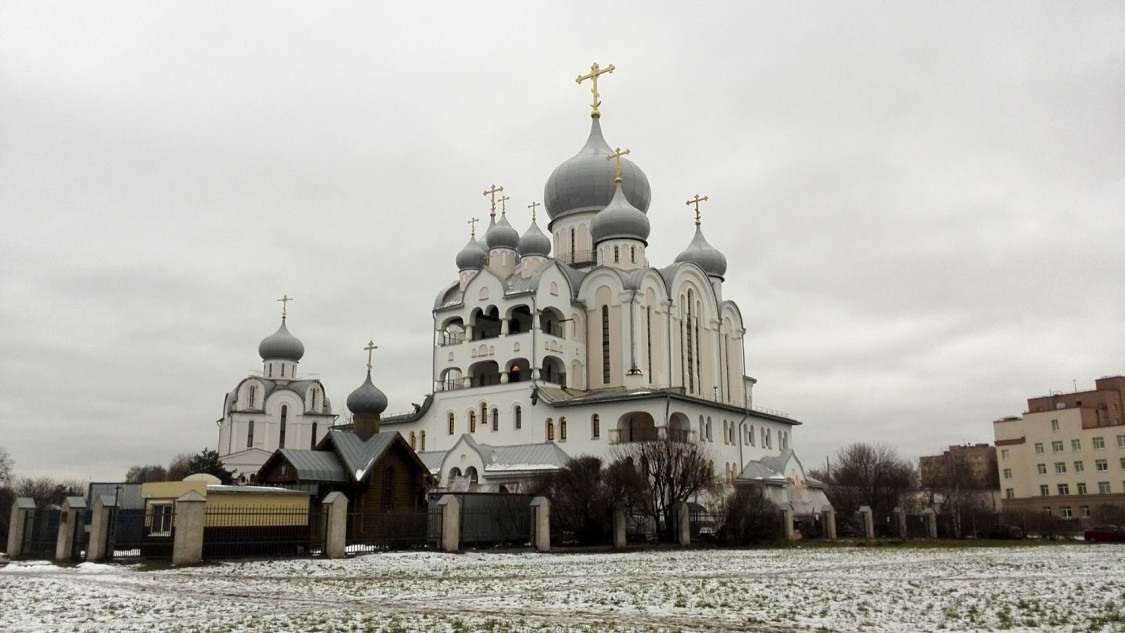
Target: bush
[748, 517]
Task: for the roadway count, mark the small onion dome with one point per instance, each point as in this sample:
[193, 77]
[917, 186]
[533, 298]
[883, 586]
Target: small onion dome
[281, 345]
[706, 256]
[619, 220]
[534, 242]
[502, 235]
[585, 182]
[472, 256]
[367, 398]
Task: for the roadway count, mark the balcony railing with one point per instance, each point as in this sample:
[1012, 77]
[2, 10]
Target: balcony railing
[579, 259]
[448, 338]
[553, 377]
[554, 329]
[625, 436]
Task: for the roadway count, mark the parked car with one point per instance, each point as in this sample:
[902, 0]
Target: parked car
[1105, 534]
[1005, 532]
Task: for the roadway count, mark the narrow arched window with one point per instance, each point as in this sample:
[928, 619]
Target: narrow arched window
[605, 345]
[413, 441]
[312, 443]
[313, 396]
[284, 421]
[518, 417]
[483, 413]
[550, 430]
[495, 419]
[423, 440]
[472, 421]
[250, 434]
[633, 254]
[562, 429]
[283, 370]
[253, 395]
[616, 254]
[596, 426]
[269, 370]
[452, 420]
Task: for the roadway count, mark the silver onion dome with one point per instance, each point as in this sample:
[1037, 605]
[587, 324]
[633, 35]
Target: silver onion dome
[502, 235]
[472, 256]
[281, 345]
[367, 398]
[619, 220]
[534, 242]
[713, 262]
[585, 181]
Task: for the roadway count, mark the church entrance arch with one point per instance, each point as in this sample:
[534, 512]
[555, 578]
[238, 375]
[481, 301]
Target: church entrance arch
[636, 426]
[679, 428]
[518, 370]
[485, 373]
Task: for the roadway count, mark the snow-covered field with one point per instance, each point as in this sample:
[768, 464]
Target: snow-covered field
[1029, 588]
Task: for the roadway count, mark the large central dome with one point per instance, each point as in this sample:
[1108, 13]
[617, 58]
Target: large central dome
[585, 182]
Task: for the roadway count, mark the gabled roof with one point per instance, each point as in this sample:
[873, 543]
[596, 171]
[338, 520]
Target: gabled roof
[357, 455]
[315, 465]
[521, 458]
[563, 397]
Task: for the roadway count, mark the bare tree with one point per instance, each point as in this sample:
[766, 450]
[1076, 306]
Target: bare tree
[6, 466]
[673, 472]
[145, 474]
[48, 491]
[867, 475]
[960, 492]
[180, 467]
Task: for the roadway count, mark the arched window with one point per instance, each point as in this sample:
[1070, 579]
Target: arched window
[413, 441]
[751, 434]
[596, 426]
[616, 254]
[605, 345]
[283, 370]
[550, 430]
[709, 439]
[573, 249]
[562, 429]
[312, 443]
[454, 473]
[519, 417]
[284, 420]
[250, 435]
[648, 340]
[423, 440]
[730, 432]
[452, 421]
[633, 254]
[472, 421]
[495, 419]
[388, 488]
[483, 413]
[253, 395]
[269, 370]
[690, 344]
[313, 396]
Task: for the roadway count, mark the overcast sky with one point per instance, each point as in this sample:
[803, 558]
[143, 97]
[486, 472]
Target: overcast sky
[922, 204]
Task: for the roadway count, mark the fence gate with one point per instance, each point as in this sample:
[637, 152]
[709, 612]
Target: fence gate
[396, 529]
[135, 534]
[41, 533]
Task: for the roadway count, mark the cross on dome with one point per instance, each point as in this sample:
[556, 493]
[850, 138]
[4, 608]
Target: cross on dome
[285, 299]
[532, 207]
[616, 156]
[473, 224]
[503, 204]
[595, 71]
[491, 192]
[696, 200]
[371, 347]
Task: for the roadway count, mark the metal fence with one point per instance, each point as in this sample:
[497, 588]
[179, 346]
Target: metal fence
[41, 533]
[487, 519]
[135, 534]
[401, 529]
[232, 532]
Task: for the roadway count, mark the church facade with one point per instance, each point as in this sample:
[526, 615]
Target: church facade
[572, 338]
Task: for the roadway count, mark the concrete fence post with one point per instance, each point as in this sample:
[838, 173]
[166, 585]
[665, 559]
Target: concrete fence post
[618, 528]
[69, 525]
[335, 508]
[541, 524]
[867, 522]
[930, 517]
[450, 523]
[683, 523]
[96, 547]
[22, 509]
[787, 524]
[900, 522]
[828, 518]
[187, 546]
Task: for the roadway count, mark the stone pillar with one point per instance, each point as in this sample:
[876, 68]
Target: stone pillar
[900, 522]
[618, 528]
[69, 524]
[787, 524]
[541, 524]
[96, 545]
[866, 521]
[22, 509]
[930, 517]
[450, 523]
[828, 517]
[683, 524]
[335, 508]
[187, 548]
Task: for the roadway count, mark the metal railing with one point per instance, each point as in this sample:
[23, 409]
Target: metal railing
[651, 434]
[253, 531]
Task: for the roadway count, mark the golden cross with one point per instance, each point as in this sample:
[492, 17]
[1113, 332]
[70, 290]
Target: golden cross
[371, 347]
[503, 206]
[285, 299]
[492, 191]
[594, 72]
[696, 202]
[532, 207]
[616, 155]
[473, 223]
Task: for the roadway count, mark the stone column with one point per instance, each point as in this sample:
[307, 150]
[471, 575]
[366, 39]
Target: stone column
[23, 508]
[541, 524]
[96, 546]
[787, 524]
[900, 522]
[450, 523]
[683, 524]
[187, 548]
[69, 524]
[867, 523]
[618, 528]
[828, 517]
[335, 507]
[930, 517]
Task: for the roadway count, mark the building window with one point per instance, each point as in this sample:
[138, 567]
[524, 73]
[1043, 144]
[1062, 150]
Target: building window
[1057, 446]
[283, 370]
[160, 520]
[1101, 465]
[1055, 425]
[596, 426]
[751, 434]
[1007, 473]
[1121, 441]
[550, 430]
[1103, 487]
[519, 417]
[648, 344]
[388, 488]
[1075, 445]
[253, 395]
[1044, 490]
[1082, 488]
[451, 423]
[1047, 510]
[413, 441]
[616, 254]
[1009, 493]
[1079, 466]
[472, 421]
[1039, 448]
[1041, 468]
[1084, 512]
[496, 419]
[1060, 468]
[605, 345]
[708, 427]
[483, 413]
[312, 441]
[423, 447]
[1099, 443]
[269, 370]
[284, 421]
[573, 249]
[633, 254]
[730, 433]
[1064, 489]
[1123, 463]
[562, 429]
[1066, 512]
[250, 434]
[1005, 453]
